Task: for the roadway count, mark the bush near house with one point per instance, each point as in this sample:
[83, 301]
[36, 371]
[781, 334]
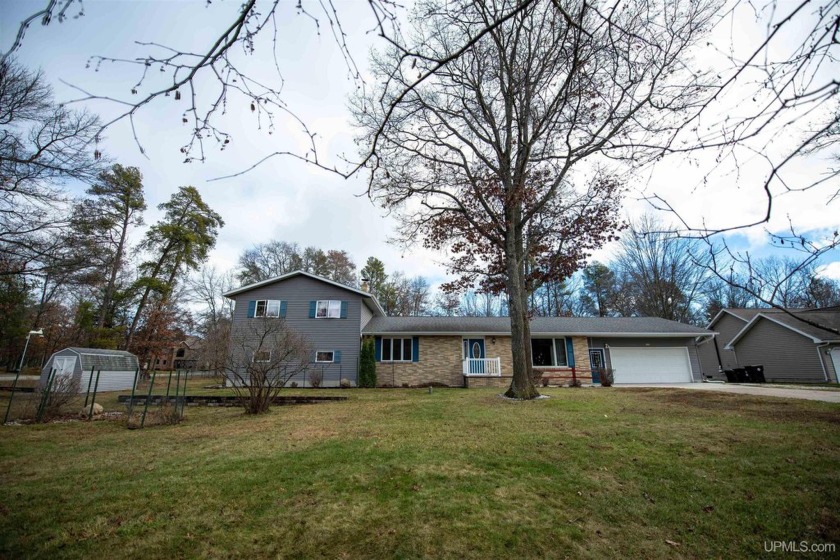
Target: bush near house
[367, 364]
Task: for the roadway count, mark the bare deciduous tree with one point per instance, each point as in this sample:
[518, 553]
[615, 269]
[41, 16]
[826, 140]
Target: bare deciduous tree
[486, 157]
[664, 274]
[42, 145]
[264, 355]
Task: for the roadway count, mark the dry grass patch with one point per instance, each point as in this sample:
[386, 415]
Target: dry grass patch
[453, 474]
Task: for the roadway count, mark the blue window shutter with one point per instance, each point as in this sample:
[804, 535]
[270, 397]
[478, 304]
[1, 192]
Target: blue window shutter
[283, 309]
[252, 309]
[570, 352]
[314, 356]
[337, 356]
[312, 309]
[377, 353]
[415, 349]
[343, 309]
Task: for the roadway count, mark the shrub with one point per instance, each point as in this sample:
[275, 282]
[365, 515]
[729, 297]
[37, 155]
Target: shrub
[294, 385]
[264, 355]
[63, 389]
[316, 376]
[575, 383]
[607, 377]
[367, 364]
[544, 381]
[168, 414]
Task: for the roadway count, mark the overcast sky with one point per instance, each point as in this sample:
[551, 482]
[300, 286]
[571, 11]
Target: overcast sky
[289, 200]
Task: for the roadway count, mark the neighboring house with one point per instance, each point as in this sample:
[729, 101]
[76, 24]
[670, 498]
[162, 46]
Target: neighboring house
[186, 353]
[465, 351]
[714, 356]
[789, 349]
[114, 369]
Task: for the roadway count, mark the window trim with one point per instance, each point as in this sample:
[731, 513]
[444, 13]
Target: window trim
[410, 340]
[330, 361]
[553, 340]
[257, 353]
[265, 314]
[329, 303]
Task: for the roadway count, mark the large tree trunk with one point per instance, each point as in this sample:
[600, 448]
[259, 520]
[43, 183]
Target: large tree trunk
[522, 385]
[112, 277]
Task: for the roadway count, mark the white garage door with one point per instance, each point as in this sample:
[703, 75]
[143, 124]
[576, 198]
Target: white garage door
[651, 365]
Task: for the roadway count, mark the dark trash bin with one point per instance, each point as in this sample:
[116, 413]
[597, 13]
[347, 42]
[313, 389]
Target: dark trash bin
[756, 374]
[730, 375]
[740, 375]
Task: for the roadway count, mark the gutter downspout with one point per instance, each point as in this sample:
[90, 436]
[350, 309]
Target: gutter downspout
[822, 363]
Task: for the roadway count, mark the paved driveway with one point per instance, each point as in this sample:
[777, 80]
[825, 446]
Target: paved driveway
[825, 395]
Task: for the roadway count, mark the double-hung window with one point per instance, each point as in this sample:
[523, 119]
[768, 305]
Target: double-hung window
[396, 350]
[267, 308]
[547, 352]
[324, 357]
[328, 309]
[262, 356]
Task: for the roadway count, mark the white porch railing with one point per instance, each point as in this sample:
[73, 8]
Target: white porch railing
[483, 366]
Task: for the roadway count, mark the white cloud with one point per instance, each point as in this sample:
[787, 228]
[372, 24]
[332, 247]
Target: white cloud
[831, 270]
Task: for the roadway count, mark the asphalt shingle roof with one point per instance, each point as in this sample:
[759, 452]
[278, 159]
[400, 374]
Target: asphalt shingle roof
[107, 360]
[829, 317]
[616, 326]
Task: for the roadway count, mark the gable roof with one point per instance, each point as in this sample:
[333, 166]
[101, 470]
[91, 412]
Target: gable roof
[745, 314]
[578, 326]
[373, 303]
[828, 316]
[108, 360]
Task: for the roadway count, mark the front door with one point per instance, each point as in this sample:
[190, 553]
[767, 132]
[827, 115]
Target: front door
[596, 364]
[474, 348]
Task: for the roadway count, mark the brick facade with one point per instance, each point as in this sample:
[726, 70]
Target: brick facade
[440, 362]
[502, 382]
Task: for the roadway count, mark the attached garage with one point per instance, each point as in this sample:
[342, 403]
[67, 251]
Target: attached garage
[651, 364]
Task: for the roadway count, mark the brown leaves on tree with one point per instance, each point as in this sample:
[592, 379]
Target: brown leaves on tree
[561, 235]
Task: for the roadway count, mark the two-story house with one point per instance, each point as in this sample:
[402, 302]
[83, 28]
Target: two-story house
[464, 351]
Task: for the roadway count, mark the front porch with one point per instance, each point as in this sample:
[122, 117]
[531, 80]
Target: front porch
[482, 367]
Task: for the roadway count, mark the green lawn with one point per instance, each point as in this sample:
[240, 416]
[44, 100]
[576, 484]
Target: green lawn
[588, 473]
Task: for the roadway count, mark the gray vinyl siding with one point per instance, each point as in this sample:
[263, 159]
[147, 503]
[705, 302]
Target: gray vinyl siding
[785, 355]
[323, 334]
[728, 326]
[367, 315]
[688, 343]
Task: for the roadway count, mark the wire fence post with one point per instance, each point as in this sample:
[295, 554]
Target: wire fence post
[148, 398]
[11, 396]
[46, 396]
[87, 393]
[168, 384]
[177, 389]
[95, 388]
[183, 396]
[133, 388]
